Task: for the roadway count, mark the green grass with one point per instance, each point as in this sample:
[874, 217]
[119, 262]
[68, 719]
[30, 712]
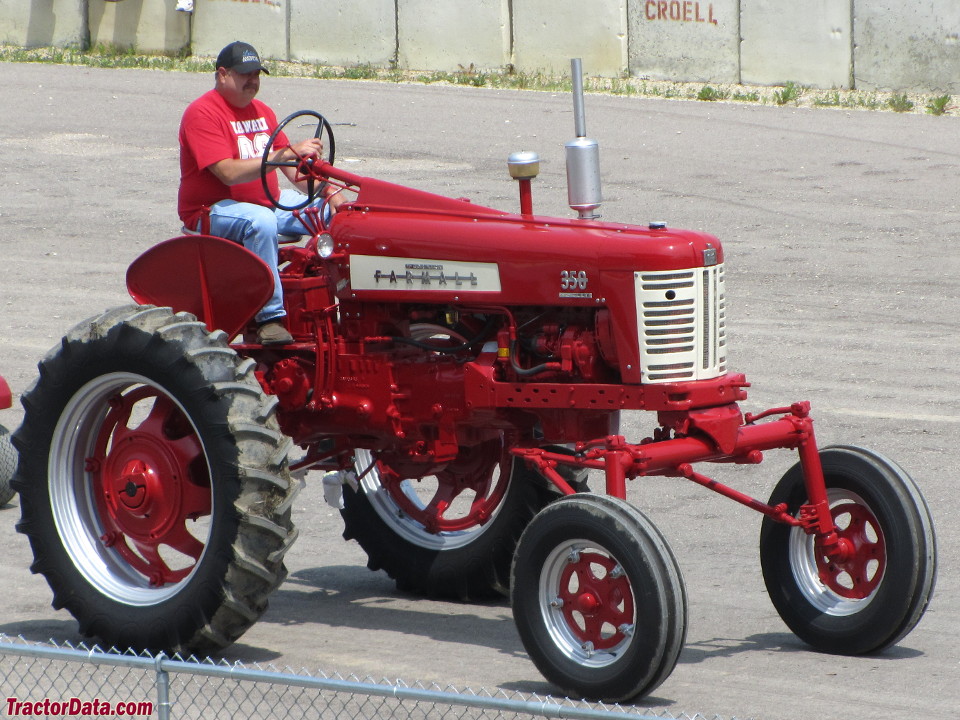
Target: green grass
[710, 94]
[830, 99]
[358, 72]
[791, 93]
[750, 96]
[864, 101]
[107, 57]
[939, 105]
[900, 103]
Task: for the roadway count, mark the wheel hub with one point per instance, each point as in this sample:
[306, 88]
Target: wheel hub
[856, 569]
[596, 599]
[147, 483]
[141, 487]
[133, 481]
[587, 603]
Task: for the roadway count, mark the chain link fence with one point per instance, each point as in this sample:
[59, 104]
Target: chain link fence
[62, 681]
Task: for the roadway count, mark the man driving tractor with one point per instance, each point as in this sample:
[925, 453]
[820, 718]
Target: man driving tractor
[222, 137]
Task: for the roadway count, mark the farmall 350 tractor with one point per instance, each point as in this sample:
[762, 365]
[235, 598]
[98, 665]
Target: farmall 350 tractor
[457, 371]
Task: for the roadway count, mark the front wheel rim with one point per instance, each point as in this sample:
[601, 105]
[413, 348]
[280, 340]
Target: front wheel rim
[130, 489]
[587, 603]
[841, 587]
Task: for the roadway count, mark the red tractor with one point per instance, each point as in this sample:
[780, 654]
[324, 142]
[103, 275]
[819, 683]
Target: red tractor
[457, 371]
[8, 456]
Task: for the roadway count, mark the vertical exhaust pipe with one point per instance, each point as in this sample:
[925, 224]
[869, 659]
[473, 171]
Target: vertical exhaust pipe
[583, 156]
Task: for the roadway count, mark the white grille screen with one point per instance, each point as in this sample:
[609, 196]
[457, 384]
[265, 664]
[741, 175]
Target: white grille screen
[682, 324]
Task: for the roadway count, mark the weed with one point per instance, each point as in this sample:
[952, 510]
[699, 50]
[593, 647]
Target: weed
[939, 105]
[711, 94]
[790, 92]
[900, 103]
[470, 76]
[360, 72]
[828, 100]
[508, 77]
[622, 86]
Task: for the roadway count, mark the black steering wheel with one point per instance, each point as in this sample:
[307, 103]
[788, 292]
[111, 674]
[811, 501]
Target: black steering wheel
[313, 188]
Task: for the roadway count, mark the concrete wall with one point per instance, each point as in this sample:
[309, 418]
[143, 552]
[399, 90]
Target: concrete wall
[674, 39]
[344, 33]
[148, 25]
[808, 42]
[262, 23]
[547, 33]
[907, 45]
[445, 35]
[40, 23]
[869, 44]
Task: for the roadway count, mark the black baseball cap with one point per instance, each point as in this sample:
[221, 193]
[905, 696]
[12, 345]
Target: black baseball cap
[240, 56]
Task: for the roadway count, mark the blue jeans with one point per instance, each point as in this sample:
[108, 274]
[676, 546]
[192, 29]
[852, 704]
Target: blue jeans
[256, 228]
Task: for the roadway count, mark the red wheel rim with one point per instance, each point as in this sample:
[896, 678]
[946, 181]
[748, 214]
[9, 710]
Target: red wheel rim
[596, 599]
[473, 471]
[859, 568]
[150, 478]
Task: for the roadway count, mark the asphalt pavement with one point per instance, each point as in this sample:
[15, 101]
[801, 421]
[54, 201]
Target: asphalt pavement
[843, 288]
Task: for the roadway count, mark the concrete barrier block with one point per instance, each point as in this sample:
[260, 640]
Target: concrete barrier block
[147, 25]
[451, 35]
[40, 24]
[808, 42]
[547, 33]
[907, 46]
[14, 24]
[685, 40]
[336, 33]
[262, 23]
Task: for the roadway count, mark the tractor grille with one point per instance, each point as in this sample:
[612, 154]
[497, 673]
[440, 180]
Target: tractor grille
[682, 324]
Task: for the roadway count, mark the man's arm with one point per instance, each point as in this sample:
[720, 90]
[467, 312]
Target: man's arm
[231, 171]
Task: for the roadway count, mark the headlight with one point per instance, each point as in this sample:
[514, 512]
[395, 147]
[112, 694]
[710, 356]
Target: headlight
[325, 245]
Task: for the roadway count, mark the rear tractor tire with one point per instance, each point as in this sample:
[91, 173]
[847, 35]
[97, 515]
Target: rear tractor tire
[154, 484]
[451, 535]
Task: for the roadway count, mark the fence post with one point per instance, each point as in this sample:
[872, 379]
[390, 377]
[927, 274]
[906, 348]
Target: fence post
[163, 689]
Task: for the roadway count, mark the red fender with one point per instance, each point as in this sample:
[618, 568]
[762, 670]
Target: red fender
[219, 281]
[6, 398]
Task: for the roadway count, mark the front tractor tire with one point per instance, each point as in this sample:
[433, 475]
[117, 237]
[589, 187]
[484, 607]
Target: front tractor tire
[154, 486]
[869, 598]
[598, 598]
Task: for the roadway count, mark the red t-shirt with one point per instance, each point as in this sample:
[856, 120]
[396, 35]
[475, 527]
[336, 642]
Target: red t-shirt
[212, 130]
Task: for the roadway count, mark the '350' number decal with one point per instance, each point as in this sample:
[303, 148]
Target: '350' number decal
[573, 280]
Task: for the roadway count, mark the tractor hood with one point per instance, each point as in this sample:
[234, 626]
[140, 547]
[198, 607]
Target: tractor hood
[398, 239]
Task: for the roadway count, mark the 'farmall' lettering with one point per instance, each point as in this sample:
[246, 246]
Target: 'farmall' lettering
[679, 11]
[413, 274]
[424, 277]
